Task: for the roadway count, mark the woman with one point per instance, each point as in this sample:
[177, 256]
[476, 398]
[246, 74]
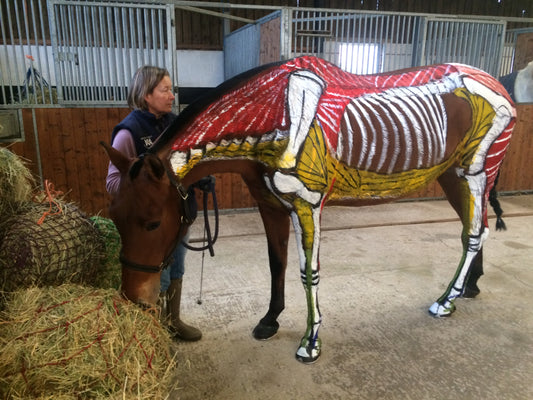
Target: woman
[150, 97]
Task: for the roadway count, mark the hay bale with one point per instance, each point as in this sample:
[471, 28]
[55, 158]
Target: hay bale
[110, 273]
[65, 248]
[81, 342]
[16, 183]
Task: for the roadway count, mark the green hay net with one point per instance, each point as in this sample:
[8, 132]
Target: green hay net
[65, 247]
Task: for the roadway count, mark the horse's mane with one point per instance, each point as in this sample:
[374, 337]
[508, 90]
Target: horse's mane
[192, 110]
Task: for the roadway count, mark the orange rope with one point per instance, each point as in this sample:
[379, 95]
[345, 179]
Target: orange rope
[50, 193]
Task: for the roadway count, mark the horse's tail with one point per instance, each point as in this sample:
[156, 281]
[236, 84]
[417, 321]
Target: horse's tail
[493, 200]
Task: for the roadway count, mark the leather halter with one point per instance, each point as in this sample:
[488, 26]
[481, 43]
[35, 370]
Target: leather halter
[186, 220]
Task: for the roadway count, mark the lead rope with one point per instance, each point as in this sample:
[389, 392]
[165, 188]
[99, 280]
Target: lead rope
[207, 186]
[199, 301]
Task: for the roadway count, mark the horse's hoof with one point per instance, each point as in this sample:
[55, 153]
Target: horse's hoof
[440, 310]
[264, 331]
[309, 354]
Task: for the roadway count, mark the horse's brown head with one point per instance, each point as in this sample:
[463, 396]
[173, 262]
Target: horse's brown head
[147, 212]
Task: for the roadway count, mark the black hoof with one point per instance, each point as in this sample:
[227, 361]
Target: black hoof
[264, 332]
[306, 360]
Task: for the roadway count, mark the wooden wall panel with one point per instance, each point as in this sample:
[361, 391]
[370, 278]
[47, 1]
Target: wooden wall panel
[516, 172]
[524, 51]
[75, 163]
[270, 46]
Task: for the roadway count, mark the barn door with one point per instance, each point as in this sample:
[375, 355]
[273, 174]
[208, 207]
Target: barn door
[97, 47]
[474, 42]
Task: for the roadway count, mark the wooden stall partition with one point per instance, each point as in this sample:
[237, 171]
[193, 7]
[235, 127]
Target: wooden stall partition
[67, 146]
[75, 163]
[523, 51]
[516, 174]
[270, 45]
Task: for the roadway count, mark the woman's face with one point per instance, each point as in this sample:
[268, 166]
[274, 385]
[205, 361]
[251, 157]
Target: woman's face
[161, 99]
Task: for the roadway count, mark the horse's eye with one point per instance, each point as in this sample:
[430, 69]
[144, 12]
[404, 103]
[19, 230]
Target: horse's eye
[152, 225]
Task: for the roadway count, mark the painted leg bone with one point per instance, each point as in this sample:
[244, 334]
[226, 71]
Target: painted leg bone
[304, 91]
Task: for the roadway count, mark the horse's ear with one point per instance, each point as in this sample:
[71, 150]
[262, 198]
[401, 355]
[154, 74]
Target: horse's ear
[156, 166]
[119, 160]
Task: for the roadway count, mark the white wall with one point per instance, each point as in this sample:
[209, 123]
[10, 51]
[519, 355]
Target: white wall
[198, 68]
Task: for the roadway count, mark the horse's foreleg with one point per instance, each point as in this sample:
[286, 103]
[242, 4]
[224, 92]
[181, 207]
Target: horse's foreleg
[306, 207]
[306, 221]
[470, 189]
[276, 223]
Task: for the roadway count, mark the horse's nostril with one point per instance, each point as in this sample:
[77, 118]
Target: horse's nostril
[153, 225]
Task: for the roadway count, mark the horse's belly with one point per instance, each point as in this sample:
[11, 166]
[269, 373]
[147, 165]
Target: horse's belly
[351, 183]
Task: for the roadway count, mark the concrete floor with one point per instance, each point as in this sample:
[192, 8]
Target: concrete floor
[381, 268]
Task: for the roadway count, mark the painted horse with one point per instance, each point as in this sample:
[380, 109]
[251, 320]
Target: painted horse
[303, 133]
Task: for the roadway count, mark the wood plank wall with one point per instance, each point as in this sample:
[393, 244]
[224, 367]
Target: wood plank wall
[72, 159]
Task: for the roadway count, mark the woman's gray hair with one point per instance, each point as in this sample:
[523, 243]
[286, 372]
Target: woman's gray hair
[144, 82]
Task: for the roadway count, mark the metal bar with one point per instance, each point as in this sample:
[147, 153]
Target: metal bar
[89, 65]
[171, 46]
[447, 42]
[216, 14]
[34, 76]
[502, 48]
[71, 41]
[67, 79]
[128, 46]
[396, 36]
[140, 26]
[5, 48]
[475, 50]
[105, 71]
[154, 38]
[51, 8]
[98, 74]
[365, 49]
[386, 39]
[133, 33]
[382, 45]
[46, 68]
[112, 55]
[21, 45]
[161, 25]
[83, 70]
[119, 49]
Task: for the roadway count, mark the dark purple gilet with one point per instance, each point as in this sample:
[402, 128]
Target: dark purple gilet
[145, 128]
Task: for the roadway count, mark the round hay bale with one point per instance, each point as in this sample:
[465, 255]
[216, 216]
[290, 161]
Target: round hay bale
[65, 248]
[16, 183]
[82, 342]
[110, 274]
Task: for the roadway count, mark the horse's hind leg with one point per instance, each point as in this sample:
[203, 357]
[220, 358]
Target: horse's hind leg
[466, 194]
[471, 289]
[450, 184]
